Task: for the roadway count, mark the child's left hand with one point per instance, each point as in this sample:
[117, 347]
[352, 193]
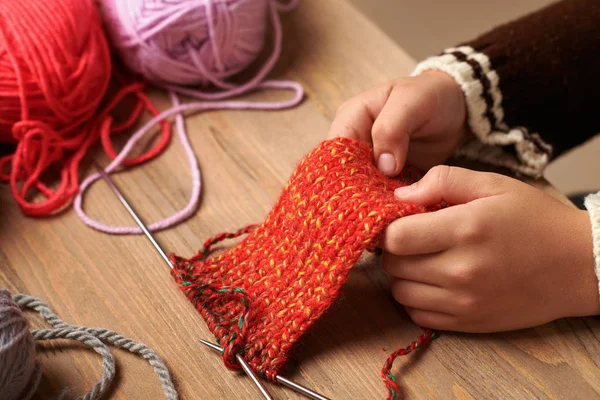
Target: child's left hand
[504, 256]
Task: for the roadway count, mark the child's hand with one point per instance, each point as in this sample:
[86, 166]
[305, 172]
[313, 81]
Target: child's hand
[505, 256]
[420, 119]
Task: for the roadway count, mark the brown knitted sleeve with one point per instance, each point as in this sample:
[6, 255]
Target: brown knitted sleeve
[532, 85]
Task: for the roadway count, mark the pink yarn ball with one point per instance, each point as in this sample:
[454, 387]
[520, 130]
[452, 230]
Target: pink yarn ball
[187, 42]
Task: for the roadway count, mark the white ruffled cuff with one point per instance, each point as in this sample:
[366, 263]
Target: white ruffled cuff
[497, 144]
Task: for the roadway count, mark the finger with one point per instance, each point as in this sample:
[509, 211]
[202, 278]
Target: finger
[433, 319]
[401, 115]
[429, 269]
[421, 295]
[423, 233]
[453, 185]
[354, 119]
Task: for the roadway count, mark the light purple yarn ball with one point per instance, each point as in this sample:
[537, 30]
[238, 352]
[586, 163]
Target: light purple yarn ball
[19, 370]
[187, 42]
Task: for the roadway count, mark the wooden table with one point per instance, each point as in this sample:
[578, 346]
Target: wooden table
[246, 157]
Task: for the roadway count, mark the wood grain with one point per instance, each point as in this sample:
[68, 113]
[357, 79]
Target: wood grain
[246, 157]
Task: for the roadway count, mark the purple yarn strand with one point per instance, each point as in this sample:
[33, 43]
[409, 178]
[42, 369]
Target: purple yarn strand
[151, 20]
[177, 110]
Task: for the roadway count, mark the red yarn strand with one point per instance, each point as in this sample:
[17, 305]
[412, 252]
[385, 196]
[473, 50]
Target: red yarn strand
[53, 76]
[389, 380]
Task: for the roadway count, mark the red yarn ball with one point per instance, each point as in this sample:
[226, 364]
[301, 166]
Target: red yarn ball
[54, 65]
[55, 69]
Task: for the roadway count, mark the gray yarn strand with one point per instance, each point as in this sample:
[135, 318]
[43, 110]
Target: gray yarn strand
[96, 339]
[108, 360]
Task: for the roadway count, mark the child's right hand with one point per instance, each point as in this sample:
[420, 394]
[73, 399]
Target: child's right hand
[419, 119]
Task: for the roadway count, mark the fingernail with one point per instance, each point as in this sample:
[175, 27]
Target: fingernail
[404, 190]
[386, 163]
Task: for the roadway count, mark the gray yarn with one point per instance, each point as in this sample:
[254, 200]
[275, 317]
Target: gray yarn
[95, 338]
[20, 371]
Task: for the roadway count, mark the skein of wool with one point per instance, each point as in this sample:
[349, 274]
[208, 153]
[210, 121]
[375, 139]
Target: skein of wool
[55, 69]
[20, 372]
[184, 42]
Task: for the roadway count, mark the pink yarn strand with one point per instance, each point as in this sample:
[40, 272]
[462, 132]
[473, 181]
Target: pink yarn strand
[153, 28]
[177, 110]
[210, 5]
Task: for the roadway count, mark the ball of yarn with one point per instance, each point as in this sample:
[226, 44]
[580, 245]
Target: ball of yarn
[54, 67]
[19, 370]
[20, 373]
[187, 41]
[54, 71]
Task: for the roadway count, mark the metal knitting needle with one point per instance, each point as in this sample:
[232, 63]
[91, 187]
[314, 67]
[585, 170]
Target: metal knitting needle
[280, 379]
[263, 390]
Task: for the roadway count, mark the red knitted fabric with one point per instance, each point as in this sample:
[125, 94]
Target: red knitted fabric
[261, 296]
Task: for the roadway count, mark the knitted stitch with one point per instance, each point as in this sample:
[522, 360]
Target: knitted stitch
[261, 296]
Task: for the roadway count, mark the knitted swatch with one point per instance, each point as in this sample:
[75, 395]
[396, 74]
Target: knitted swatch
[261, 296]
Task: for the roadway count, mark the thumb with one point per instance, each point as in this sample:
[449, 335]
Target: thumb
[401, 115]
[453, 185]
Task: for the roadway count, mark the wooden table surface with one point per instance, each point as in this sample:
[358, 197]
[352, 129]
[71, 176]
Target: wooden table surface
[246, 157]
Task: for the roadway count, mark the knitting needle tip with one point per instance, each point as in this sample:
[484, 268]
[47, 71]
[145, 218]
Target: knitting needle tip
[311, 394]
[213, 346]
[244, 366]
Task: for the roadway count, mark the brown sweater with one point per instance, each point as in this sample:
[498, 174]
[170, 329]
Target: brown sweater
[540, 73]
[549, 68]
